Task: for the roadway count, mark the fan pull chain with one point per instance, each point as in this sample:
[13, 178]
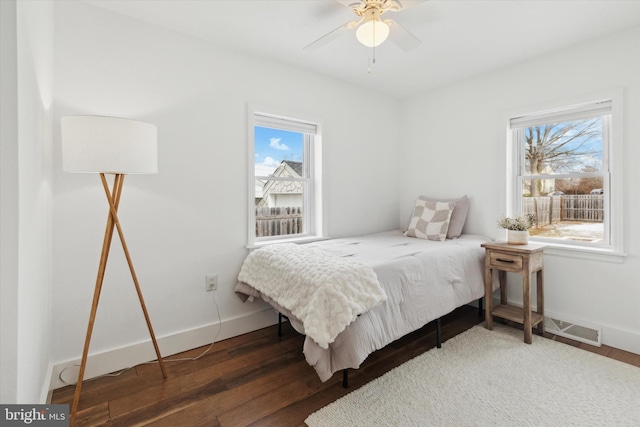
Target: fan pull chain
[373, 50]
[374, 43]
[371, 60]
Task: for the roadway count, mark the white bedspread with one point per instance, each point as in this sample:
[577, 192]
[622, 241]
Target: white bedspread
[324, 291]
[423, 280]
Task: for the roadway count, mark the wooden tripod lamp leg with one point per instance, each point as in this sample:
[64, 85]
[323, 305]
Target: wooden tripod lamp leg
[112, 222]
[114, 215]
[104, 256]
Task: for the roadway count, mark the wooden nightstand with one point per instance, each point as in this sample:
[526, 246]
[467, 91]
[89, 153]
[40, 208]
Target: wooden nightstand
[523, 259]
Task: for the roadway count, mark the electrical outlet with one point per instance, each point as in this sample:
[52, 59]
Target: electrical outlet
[211, 282]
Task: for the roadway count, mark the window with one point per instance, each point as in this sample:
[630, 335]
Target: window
[284, 177]
[562, 173]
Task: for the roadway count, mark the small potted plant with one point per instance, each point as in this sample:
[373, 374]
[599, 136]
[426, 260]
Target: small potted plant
[517, 228]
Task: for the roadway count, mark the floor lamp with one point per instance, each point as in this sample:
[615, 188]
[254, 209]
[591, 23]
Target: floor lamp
[109, 145]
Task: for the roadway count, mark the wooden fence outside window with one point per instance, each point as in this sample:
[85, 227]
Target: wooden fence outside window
[580, 207]
[280, 221]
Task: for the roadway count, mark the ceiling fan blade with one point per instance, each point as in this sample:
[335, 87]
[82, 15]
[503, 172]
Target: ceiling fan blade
[332, 35]
[401, 36]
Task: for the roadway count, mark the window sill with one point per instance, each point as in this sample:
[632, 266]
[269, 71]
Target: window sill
[582, 252]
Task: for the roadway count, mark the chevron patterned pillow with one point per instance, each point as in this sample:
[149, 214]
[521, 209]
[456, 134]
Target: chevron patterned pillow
[430, 220]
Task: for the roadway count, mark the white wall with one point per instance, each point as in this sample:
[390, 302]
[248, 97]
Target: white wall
[35, 92]
[455, 145]
[9, 205]
[190, 219]
[26, 199]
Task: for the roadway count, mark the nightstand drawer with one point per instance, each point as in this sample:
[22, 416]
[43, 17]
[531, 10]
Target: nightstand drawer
[506, 260]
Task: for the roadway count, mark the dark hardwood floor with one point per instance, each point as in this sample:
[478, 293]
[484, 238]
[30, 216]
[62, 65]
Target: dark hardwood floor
[254, 379]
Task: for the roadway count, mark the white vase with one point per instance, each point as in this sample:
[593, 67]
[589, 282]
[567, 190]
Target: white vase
[518, 237]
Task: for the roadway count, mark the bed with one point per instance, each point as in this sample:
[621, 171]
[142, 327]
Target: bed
[422, 279]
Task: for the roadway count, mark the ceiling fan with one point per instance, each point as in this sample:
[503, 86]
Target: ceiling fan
[371, 30]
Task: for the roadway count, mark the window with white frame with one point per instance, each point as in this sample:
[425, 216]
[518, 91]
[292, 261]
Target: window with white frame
[562, 174]
[284, 185]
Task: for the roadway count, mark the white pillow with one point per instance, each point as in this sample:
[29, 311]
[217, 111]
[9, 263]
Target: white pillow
[430, 220]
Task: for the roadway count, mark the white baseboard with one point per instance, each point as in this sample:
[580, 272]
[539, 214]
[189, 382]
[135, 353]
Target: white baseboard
[621, 339]
[135, 354]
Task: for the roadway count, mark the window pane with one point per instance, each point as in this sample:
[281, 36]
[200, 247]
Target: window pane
[279, 208]
[571, 215]
[561, 148]
[279, 202]
[272, 147]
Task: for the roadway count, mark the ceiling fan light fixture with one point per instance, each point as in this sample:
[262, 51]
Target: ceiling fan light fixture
[372, 33]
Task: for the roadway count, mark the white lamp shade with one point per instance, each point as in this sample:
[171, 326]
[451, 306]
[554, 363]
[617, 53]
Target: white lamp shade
[372, 33]
[108, 145]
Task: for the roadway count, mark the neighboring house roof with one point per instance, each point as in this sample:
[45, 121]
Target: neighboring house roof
[296, 166]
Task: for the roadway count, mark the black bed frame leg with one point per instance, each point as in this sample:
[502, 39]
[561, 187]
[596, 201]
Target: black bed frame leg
[438, 333]
[279, 324]
[480, 310]
[345, 378]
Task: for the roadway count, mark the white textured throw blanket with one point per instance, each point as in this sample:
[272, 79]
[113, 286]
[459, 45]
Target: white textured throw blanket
[324, 291]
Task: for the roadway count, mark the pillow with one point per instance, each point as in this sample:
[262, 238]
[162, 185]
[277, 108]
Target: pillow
[458, 217]
[430, 220]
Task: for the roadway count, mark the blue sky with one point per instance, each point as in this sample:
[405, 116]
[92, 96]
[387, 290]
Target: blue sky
[274, 145]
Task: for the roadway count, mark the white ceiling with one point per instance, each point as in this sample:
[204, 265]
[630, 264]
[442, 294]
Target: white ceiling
[459, 38]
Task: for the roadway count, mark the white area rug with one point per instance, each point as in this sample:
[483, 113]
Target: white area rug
[491, 378]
